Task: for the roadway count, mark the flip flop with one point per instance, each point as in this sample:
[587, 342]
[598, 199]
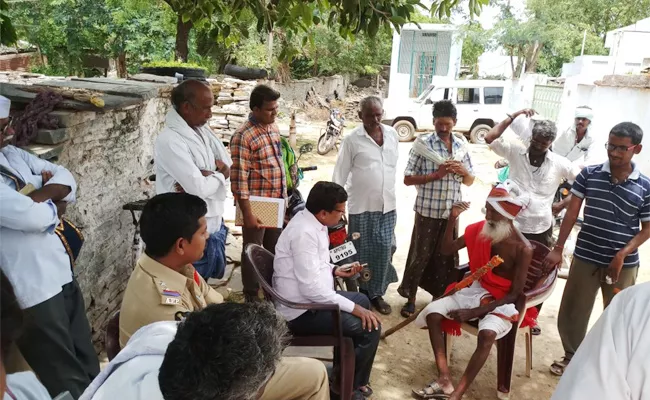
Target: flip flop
[380, 305]
[366, 391]
[536, 330]
[408, 310]
[558, 367]
[430, 391]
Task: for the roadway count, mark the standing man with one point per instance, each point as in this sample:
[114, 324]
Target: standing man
[56, 339]
[438, 164]
[617, 201]
[189, 158]
[368, 158]
[257, 170]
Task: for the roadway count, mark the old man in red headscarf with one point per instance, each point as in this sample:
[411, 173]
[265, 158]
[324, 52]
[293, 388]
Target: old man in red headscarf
[490, 300]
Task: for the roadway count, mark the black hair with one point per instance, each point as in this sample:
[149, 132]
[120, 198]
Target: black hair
[168, 217]
[628, 129]
[262, 94]
[225, 351]
[186, 91]
[444, 109]
[325, 196]
[11, 316]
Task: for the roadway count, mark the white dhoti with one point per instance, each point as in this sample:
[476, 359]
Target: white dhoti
[498, 321]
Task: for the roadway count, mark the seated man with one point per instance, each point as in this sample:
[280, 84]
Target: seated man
[236, 347]
[491, 299]
[303, 274]
[164, 286]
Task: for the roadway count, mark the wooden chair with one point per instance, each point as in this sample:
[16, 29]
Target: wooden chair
[262, 262]
[112, 336]
[539, 286]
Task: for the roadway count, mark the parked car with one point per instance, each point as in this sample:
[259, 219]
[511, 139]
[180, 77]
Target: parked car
[479, 104]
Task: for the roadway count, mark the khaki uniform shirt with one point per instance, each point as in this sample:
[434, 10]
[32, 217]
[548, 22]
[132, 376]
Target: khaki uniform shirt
[156, 293]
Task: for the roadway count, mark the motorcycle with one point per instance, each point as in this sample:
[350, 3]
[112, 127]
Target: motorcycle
[333, 132]
[342, 251]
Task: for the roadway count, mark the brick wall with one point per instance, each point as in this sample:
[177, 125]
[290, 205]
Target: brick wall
[15, 62]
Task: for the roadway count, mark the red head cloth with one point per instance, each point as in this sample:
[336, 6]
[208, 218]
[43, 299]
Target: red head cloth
[508, 199]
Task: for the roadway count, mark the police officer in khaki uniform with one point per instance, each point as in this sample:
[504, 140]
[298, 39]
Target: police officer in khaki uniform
[164, 286]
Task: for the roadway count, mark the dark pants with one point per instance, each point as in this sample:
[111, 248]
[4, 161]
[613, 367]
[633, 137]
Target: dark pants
[545, 238]
[266, 237]
[57, 344]
[365, 343]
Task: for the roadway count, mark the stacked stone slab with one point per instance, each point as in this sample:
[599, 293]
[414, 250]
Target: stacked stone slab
[231, 105]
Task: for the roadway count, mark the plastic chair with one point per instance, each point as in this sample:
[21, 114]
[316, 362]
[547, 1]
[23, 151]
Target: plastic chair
[112, 336]
[262, 262]
[539, 287]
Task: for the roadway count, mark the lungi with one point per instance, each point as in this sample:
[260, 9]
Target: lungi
[213, 263]
[425, 266]
[498, 321]
[376, 247]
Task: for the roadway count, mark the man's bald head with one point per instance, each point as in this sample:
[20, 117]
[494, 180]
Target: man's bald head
[193, 101]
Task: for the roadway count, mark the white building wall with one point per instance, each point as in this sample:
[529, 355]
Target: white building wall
[629, 46]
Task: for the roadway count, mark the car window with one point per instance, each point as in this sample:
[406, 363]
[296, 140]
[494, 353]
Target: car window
[493, 95]
[468, 96]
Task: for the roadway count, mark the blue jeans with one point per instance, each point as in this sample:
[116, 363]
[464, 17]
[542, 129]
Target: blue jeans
[213, 263]
[365, 343]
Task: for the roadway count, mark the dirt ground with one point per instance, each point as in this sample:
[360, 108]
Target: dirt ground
[405, 360]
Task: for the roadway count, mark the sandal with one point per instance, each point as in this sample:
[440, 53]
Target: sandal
[430, 391]
[558, 367]
[380, 305]
[536, 330]
[408, 310]
[366, 391]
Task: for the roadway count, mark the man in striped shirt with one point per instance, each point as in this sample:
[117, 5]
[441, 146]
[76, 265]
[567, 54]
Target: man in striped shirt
[617, 201]
[257, 170]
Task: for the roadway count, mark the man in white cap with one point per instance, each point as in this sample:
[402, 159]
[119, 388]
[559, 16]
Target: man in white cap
[491, 298]
[56, 341]
[576, 143]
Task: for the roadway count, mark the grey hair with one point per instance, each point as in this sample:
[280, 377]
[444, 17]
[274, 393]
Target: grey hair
[226, 351]
[545, 130]
[186, 91]
[369, 101]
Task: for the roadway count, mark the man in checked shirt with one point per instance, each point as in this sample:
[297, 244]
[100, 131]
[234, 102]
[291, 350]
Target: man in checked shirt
[257, 170]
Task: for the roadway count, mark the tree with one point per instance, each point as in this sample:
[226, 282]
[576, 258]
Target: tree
[475, 41]
[7, 31]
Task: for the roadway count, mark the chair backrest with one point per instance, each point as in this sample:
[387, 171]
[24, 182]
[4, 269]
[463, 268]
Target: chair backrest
[262, 262]
[112, 338]
[536, 273]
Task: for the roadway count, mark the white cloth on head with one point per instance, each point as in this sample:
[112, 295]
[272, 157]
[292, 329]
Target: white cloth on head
[517, 198]
[31, 254]
[469, 298]
[612, 361]
[584, 112]
[368, 171]
[133, 373]
[5, 105]
[180, 153]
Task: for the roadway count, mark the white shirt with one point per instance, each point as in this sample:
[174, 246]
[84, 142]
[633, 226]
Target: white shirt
[612, 361]
[368, 171]
[302, 271]
[180, 153]
[540, 182]
[31, 254]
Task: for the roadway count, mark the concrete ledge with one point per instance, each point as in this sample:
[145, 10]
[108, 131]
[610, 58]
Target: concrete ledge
[43, 151]
[72, 118]
[635, 81]
[51, 136]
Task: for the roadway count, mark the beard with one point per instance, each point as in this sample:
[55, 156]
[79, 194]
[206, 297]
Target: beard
[496, 231]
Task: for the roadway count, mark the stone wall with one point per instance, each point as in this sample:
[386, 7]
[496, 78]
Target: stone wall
[327, 87]
[109, 155]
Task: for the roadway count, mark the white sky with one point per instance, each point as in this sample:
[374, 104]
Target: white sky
[489, 14]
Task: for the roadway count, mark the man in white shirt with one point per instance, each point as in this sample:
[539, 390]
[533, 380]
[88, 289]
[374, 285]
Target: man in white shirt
[190, 158]
[302, 273]
[612, 361]
[56, 341]
[366, 167]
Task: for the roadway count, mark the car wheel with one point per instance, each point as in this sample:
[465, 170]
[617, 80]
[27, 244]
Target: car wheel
[477, 136]
[405, 130]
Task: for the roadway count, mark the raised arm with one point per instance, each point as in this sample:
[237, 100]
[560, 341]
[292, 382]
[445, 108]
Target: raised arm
[496, 132]
[450, 246]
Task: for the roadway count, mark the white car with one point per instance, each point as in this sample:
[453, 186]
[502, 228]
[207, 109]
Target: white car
[479, 105]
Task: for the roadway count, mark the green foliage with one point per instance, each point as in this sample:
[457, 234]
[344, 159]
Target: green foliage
[7, 31]
[172, 63]
[475, 41]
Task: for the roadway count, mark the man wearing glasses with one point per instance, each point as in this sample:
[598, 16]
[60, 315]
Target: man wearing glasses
[617, 202]
[302, 273]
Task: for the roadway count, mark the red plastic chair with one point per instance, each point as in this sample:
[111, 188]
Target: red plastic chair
[539, 287]
[262, 262]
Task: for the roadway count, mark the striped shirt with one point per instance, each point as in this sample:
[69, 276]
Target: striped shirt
[612, 214]
[435, 198]
[257, 164]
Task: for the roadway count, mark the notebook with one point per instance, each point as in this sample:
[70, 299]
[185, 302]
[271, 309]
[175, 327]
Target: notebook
[269, 210]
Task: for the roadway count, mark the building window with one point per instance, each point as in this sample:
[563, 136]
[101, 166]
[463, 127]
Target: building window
[468, 96]
[493, 95]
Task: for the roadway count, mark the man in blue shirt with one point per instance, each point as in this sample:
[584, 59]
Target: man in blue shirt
[617, 201]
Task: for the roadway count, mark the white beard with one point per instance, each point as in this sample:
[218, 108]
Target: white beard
[496, 231]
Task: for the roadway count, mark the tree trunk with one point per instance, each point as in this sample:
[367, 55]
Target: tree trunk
[533, 56]
[121, 65]
[182, 38]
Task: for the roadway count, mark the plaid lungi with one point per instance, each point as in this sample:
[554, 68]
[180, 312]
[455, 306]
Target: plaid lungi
[376, 247]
